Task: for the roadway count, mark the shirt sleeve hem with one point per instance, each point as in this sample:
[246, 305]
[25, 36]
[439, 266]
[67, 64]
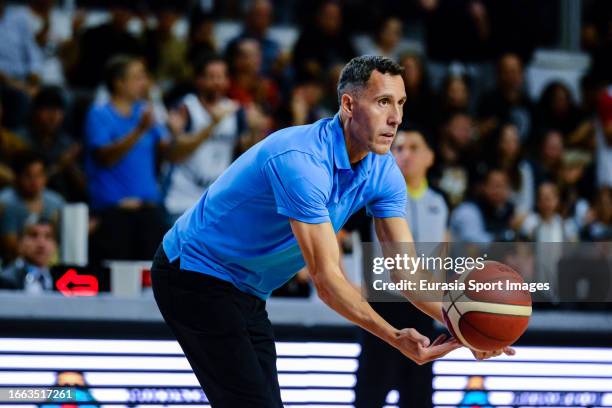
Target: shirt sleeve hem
[303, 218]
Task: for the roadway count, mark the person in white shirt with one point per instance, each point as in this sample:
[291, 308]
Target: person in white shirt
[212, 121]
[544, 227]
[547, 225]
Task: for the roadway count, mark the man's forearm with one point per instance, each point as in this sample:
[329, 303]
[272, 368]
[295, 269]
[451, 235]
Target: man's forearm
[335, 291]
[429, 302]
[185, 145]
[112, 153]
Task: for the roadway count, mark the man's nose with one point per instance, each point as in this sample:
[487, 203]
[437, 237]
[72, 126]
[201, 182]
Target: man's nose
[395, 117]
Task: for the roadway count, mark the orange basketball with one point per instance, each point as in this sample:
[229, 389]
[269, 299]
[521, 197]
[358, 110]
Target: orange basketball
[490, 308]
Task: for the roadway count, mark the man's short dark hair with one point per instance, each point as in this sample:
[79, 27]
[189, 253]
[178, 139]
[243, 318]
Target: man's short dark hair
[25, 159]
[204, 60]
[116, 69]
[35, 220]
[357, 72]
[49, 97]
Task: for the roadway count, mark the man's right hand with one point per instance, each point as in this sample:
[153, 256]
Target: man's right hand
[419, 349]
[146, 120]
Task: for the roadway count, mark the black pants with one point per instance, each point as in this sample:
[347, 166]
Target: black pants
[128, 234]
[383, 368]
[225, 334]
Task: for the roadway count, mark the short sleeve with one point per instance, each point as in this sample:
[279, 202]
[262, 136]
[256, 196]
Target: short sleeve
[300, 185]
[391, 197]
[97, 129]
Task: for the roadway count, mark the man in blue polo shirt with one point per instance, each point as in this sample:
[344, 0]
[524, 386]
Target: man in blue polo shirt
[123, 143]
[274, 210]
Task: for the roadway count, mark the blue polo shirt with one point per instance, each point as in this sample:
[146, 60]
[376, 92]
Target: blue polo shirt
[239, 230]
[134, 175]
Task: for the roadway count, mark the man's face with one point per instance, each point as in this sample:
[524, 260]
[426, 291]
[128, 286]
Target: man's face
[377, 112]
[412, 72]
[213, 81]
[37, 245]
[552, 148]
[49, 118]
[261, 16]
[548, 199]
[330, 19]
[511, 72]
[459, 130]
[391, 34]
[497, 188]
[32, 181]
[412, 154]
[510, 144]
[249, 56]
[135, 82]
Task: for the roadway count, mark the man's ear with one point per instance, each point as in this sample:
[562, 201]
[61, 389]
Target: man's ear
[347, 105]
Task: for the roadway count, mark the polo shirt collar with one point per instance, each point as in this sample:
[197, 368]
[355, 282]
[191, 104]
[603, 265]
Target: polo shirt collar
[341, 159]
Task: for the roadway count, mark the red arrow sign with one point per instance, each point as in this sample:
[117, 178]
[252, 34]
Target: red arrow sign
[73, 284]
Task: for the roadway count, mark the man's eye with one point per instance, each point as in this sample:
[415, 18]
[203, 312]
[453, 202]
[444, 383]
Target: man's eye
[383, 102]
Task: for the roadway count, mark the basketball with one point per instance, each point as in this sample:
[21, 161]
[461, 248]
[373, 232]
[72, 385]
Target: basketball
[490, 308]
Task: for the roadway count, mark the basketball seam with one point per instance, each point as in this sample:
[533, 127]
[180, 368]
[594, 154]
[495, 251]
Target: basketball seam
[500, 305]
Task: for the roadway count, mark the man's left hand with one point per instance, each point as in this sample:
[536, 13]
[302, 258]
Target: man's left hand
[483, 355]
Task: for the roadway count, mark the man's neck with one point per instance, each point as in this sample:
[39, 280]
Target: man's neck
[355, 152]
[415, 183]
[416, 187]
[123, 105]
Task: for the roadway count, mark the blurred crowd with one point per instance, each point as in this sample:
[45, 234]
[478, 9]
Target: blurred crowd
[134, 118]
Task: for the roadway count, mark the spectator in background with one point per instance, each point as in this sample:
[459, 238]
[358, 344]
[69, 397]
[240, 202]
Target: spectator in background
[596, 38]
[37, 246]
[45, 134]
[490, 216]
[51, 34]
[386, 39]
[20, 64]
[508, 102]
[426, 211]
[99, 44]
[575, 183]
[123, 142]
[451, 172]
[549, 156]
[454, 96]
[322, 43]
[201, 36]
[603, 138]
[505, 154]
[556, 109]
[544, 226]
[466, 21]
[380, 368]
[547, 224]
[257, 22]
[213, 126]
[20, 57]
[29, 196]
[166, 53]
[10, 146]
[457, 32]
[247, 85]
[599, 227]
[419, 108]
[305, 105]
